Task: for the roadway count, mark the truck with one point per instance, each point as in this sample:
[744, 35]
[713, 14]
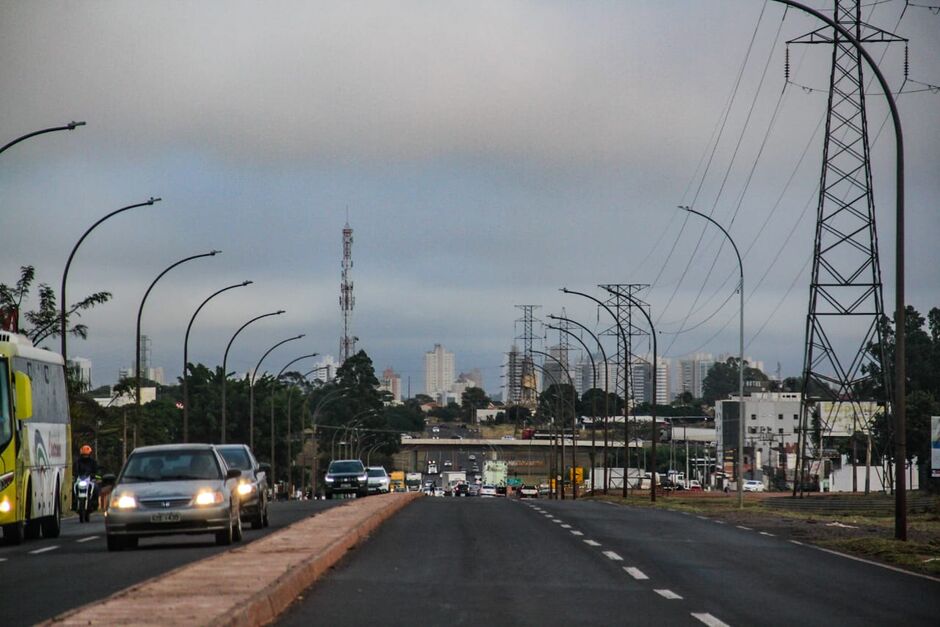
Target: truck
[432, 467]
[494, 472]
[413, 482]
[450, 478]
[396, 481]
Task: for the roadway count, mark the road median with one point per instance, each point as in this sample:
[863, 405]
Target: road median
[249, 585]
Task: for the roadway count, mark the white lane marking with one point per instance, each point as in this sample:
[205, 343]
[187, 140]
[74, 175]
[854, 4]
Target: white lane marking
[796, 542]
[668, 594]
[718, 522]
[743, 527]
[702, 517]
[592, 543]
[88, 539]
[865, 561]
[44, 549]
[557, 521]
[566, 526]
[764, 533]
[613, 556]
[576, 532]
[636, 573]
[709, 620]
[3, 559]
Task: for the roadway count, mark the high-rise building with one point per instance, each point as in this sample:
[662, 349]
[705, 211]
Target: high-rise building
[80, 371]
[439, 372]
[326, 368]
[642, 384]
[391, 383]
[692, 372]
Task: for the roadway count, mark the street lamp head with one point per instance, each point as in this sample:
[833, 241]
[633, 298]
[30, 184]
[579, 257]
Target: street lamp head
[300, 336]
[213, 253]
[244, 283]
[563, 289]
[278, 312]
[685, 207]
[73, 124]
[153, 200]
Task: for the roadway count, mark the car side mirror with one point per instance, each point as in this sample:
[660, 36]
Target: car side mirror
[233, 473]
[108, 479]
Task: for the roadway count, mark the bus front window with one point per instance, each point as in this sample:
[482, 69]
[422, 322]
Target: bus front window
[6, 418]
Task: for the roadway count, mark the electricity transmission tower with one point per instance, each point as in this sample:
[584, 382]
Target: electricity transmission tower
[529, 396]
[844, 323]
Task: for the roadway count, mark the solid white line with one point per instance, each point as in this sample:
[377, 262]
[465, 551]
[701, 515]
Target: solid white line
[592, 543]
[634, 572]
[613, 556]
[89, 538]
[797, 542]
[709, 620]
[44, 549]
[668, 594]
[702, 517]
[865, 561]
[576, 532]
[764, 533]
[743, 527]
[566, 526]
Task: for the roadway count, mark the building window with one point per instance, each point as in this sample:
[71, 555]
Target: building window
[780, 430]
[753, 416]
[779, 416]
[752, 429]
[796, 416]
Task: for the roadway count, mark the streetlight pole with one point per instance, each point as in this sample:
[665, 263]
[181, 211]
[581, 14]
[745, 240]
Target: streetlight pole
[276, 379]
[606, 392]
[626, 392]
[71, 126]
[63, 331]
[574, 439]
[251, 393]
[740, 355]
[186, 356]
[140, 313]
[225, 361]
[900, 364]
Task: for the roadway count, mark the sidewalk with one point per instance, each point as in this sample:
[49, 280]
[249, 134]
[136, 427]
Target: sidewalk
[249, 585]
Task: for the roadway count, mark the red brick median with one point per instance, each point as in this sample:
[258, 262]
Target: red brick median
[249, 585]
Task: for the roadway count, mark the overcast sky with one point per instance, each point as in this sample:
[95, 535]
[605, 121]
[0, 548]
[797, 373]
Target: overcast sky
[488, 153]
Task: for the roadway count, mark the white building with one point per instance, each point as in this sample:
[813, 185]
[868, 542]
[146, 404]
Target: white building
[439, 371]
[692, 372]
[80, 370]
[606, 376]
[391, 383]
[642, 383]
[326, 368]
[772, 420]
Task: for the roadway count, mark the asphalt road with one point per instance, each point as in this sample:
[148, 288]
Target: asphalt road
[501, 562]
[47, 577]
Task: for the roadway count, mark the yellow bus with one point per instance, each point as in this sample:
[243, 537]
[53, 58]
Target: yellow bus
[35, 440]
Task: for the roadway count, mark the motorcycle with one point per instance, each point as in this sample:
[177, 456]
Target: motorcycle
[84, 497]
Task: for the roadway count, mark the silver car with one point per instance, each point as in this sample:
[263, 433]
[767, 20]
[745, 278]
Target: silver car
[378, 480]
[173, 489]
[252, 485]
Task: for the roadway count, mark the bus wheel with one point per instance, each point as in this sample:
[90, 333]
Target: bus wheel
[13, 533]
[52, 525]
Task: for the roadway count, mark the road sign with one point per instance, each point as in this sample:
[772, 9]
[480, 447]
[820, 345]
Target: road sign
[935, 446]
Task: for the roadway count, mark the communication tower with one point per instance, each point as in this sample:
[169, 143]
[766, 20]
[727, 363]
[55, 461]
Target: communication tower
[347, 344]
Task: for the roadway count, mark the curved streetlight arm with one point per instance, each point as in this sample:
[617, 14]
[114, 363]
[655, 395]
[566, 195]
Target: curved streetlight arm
[254, 372]
[580, 341]
[65, 273]
[727, 235]
[589, 332]
[140, 312]
[186, 355]
[900, 374]
[71, 126]
[293, 361]
[251, 396]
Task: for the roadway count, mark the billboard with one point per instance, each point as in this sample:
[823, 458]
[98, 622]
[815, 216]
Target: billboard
[935, 446]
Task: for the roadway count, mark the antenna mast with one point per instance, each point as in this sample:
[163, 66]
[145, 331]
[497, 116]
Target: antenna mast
[347, 344]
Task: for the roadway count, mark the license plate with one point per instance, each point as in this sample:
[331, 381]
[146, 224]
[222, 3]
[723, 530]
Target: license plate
[165, 517]
[344, 485]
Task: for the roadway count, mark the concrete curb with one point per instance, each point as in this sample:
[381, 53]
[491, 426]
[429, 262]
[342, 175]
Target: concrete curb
[250, 585]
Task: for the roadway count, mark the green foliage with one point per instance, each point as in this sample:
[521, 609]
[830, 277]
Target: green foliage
[472, 399]
[722, 380]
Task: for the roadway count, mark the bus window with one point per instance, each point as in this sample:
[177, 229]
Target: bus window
[6, 422]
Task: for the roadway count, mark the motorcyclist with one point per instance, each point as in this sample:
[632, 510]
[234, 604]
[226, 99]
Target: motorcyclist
[85, 466]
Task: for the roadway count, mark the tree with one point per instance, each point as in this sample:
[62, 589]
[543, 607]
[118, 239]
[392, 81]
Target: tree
[44, 322]
[472, 399]
[722, 380]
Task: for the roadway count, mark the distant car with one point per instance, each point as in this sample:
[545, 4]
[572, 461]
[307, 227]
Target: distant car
[435, 430]
[252, 485]
[447, 463]
[346, 476]
[461, 489]
[544, 490]
[173, 489]
[488, 490]
[752, 485]
[528, 492]
[377, 483]
[500, 490]
[438, 491]
[407, 436]
[472, 457]
[694, 486]
[473, 489]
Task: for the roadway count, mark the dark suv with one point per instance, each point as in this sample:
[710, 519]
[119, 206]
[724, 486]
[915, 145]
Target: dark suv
[346, 476]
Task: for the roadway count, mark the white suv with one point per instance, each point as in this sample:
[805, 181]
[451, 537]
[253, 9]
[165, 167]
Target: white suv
[752, 485]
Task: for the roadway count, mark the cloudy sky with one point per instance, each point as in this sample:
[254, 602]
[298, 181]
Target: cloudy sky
[488, 153]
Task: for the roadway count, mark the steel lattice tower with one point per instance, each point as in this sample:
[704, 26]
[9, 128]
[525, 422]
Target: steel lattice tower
[347, 344]
[623, 308]
[529, 389]
[845, 299]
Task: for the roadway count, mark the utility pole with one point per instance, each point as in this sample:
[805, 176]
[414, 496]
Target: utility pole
[845, 298]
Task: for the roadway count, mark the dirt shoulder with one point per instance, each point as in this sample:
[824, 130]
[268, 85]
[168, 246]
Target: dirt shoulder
[867, 535]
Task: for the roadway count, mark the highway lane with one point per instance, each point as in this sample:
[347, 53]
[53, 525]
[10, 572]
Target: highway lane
[479, 561]
[540, 562]
[49, 576]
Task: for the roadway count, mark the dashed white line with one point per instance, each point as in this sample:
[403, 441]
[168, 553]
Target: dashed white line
[557, 520]
[636, 573]
[566, 526]
[592, 543]
[3, 559]
[743, 527]
[576, 532]
[718, 522]
[613, 556]
[702, 517]
[668, 594]
[764, 533]
[709, 620]
[796, 542]
[44, 549]
[88, 539]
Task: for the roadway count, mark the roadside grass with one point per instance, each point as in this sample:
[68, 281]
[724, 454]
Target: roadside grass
[864, 535]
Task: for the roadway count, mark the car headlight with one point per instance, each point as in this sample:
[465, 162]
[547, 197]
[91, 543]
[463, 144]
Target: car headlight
[363, 477]
[246, 488]
[328, 479]
[5, 506]
[124, 501]
[83, 484]
[209, 497]
[383, 480]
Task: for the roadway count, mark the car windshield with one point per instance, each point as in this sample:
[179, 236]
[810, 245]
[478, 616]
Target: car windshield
[171, 465]
[345, 467]
[236, 457]
[376, 472]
